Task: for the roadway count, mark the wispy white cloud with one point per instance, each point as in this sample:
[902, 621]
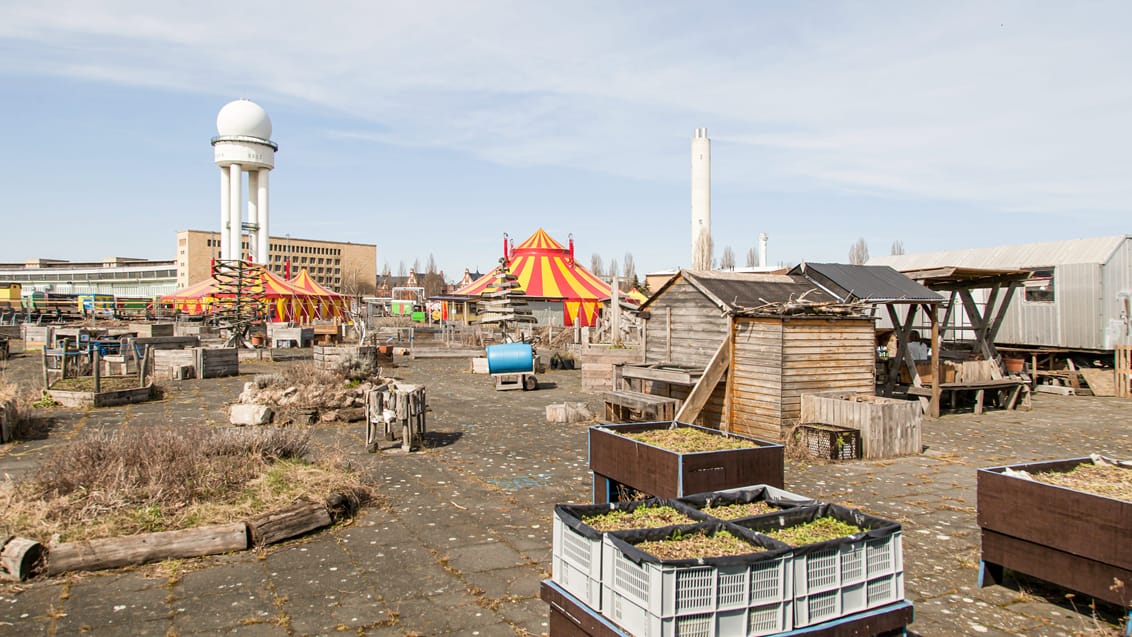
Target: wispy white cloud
[1013, 106]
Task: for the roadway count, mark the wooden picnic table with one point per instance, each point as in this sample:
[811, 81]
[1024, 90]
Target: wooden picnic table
[1015, 387]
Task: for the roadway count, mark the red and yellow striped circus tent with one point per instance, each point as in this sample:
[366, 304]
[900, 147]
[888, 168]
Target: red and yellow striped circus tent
[546, 271]
[282, 301]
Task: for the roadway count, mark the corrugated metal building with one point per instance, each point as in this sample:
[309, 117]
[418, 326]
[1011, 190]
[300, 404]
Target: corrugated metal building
[1077, 296]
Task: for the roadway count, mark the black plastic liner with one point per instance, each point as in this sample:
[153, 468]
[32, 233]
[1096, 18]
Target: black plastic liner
[760, 493]
[573, 514]
[625, 542]
[875, 528]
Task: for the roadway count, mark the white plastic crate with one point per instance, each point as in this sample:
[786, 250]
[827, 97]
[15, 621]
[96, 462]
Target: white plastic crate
[576, 564]
[752, 622]
[656, 599]
[848, 578]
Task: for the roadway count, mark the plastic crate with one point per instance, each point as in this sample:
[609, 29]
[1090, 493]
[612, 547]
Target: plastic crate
[846, 579]
[576, 563]
[652, 598]
[841, 577]
[576, 556]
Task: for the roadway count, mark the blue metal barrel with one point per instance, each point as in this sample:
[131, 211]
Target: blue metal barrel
[510, 358]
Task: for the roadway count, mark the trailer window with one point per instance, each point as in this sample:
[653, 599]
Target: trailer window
[1039, 287]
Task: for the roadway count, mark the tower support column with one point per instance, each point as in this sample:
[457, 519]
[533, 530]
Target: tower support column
[235, 229]
[263, 236]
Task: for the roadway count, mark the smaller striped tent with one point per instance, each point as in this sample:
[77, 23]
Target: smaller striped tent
[281, 300]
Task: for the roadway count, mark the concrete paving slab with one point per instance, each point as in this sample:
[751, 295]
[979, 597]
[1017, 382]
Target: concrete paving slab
[465, 537]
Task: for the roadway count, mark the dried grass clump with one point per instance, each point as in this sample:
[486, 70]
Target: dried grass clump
[164, 479]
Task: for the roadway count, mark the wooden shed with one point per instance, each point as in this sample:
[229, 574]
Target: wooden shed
[740, 349]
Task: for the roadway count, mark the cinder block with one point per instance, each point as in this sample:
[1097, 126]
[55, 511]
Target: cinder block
[240, 414]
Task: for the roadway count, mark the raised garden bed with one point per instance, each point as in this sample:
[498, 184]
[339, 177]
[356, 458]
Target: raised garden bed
[1065, 536]
[617, 459]
[127, 393]
[579, 529]
[746, 592]
[844, 561]
[739, 504]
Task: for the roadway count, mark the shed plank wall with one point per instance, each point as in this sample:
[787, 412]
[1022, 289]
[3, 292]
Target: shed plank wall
[776, 360]
[698, 327]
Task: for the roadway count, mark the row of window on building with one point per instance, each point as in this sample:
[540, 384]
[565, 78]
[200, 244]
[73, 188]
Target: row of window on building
[287, 248]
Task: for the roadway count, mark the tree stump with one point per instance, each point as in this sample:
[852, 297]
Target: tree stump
[20, 558]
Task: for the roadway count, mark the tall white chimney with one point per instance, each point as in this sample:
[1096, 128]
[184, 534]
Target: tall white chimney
[701, 201]
[762, 249]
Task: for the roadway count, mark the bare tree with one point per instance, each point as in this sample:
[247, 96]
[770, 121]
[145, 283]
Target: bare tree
[727, 259]
[596, 266]
[702, 255]
[897, 247]
[613, 271]
[401, 272]
[752, 258]
[629, 267]
[859, 252]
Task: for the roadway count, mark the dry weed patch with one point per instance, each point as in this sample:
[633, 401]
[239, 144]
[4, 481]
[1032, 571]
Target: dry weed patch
[161, 479]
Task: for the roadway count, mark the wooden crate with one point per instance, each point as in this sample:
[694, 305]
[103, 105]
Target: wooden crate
[149, 330]
[660, 472]
[830, 442]
[889, 427]
[1067, 537]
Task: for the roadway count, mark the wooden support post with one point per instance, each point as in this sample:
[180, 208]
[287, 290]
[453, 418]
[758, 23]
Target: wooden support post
[95, 365]
[668, 330]
[46, 374]
[979, 401]
[937, 367]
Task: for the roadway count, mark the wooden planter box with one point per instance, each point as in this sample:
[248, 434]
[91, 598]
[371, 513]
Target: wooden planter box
[101, 399]
[1070, 538]
[668, 474]
[888, 427]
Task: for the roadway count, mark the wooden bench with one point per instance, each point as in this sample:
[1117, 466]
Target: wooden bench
[1015, 387]
[624, 406]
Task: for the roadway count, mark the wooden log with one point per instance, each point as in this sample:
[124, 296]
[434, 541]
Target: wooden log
[20, 558]
[147, 547]
[282, 524]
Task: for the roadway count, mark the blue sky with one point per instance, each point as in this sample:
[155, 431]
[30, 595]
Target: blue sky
[434, 128]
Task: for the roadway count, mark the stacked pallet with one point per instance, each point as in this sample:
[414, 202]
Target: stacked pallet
[506, 303]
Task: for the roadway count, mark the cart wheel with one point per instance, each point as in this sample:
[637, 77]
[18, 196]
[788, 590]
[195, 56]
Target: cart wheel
[530, 383]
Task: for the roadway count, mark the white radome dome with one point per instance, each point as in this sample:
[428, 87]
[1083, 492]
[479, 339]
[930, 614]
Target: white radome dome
[243, 118]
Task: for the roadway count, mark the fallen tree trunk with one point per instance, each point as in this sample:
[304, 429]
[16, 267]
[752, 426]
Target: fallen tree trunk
[281, 524]
[147, 547]
[19, 558]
